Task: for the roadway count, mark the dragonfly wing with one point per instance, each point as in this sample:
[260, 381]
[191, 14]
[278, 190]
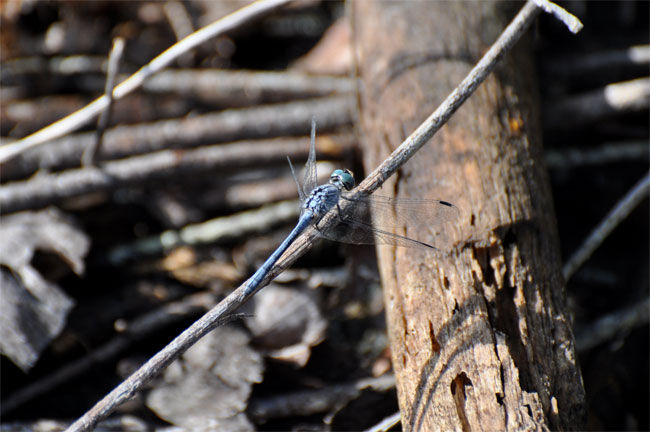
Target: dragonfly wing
[388, 214]
[356, 232]
[348, 232]
[311, 175]
[301, 193]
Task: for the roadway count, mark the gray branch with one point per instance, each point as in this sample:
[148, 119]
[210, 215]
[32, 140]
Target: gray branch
[622, 209]
[180, 344]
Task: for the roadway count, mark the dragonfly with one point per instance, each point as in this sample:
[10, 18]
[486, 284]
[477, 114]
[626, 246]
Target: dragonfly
[364, 220]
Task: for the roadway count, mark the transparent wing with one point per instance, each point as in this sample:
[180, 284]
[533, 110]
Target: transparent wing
[371, 219]
[301, 193]
[311, 177]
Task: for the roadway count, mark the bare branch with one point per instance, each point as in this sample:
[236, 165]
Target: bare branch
[317, 401]
[387, 423]
[45, 189]
[622, 209]
[83, 116]
[606, 153]
[210, 320]
[232, 87]
[590, 107]
[610, 325]
[90, 154]
[138, 329]
[287, 119]
[561, 14]
[434, 122]
[638, 55]
[215, 230]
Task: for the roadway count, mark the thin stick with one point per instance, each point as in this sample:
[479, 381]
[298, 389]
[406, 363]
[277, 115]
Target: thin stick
[139, 329]
[90, 154]
[612, 324]
[227, 87]
[210, 320]
[84, 115]
[604, 154]
[309, 402]
[594, 62]
[281, 119]
[569, 20]
[212, 231]
[42, 190]
[622, 209]
[588, 108]
[477, 75]
[179, 19]
[387, 423]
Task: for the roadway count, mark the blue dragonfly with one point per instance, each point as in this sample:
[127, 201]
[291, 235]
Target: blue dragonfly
[361, 222]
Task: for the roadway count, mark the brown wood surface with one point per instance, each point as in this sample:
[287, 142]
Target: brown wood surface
[480, 339]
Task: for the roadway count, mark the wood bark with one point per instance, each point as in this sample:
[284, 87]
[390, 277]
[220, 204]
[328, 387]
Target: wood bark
[481, 338]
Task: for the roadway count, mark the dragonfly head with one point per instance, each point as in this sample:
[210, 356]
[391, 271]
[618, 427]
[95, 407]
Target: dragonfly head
[342, 178]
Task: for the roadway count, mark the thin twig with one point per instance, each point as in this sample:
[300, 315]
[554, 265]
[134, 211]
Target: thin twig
[158, 362]
[119, 422]
[622, 209]
[12, 69]
[90, 154]
[42, 190]
[309, 402]
[79, 118]
[212, 231]
[214, 86]
[277, 120]
[105, 117]
[209, 321]
[138, 329]
[181, 23]
[179, 19]
[612, 100]
[606, 153]
[250, 188]
[266, 188]
[561, 14]
[387, 423]
[638, 55]
[612, 324]
[477, 75]
[244, 86]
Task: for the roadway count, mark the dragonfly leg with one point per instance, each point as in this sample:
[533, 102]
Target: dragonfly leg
[338, 208]
[317, 222]
[339, 212]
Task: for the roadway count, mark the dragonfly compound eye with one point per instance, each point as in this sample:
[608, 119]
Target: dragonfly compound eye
[344, 177]
[318, 200]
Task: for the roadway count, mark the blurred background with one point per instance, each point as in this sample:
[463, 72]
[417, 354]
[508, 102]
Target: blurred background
[95, 279]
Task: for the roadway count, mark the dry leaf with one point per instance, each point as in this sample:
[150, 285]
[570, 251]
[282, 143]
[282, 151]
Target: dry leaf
[287, 323]
[33, 309]
[208, 387]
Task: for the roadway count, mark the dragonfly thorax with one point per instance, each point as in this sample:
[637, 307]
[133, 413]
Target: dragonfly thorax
[322, 199]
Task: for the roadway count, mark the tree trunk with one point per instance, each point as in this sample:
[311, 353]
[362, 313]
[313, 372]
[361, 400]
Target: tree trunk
[481, 339]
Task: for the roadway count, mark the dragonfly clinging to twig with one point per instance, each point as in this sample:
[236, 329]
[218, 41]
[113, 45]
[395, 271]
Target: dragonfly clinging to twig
[363, 221]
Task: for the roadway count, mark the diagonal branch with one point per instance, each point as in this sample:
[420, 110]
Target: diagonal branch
[622, 209]
[422, 134]
[84, 115]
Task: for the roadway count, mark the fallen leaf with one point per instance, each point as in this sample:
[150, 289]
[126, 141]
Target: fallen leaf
[287, 323]
[33, 309]
[208, 387]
